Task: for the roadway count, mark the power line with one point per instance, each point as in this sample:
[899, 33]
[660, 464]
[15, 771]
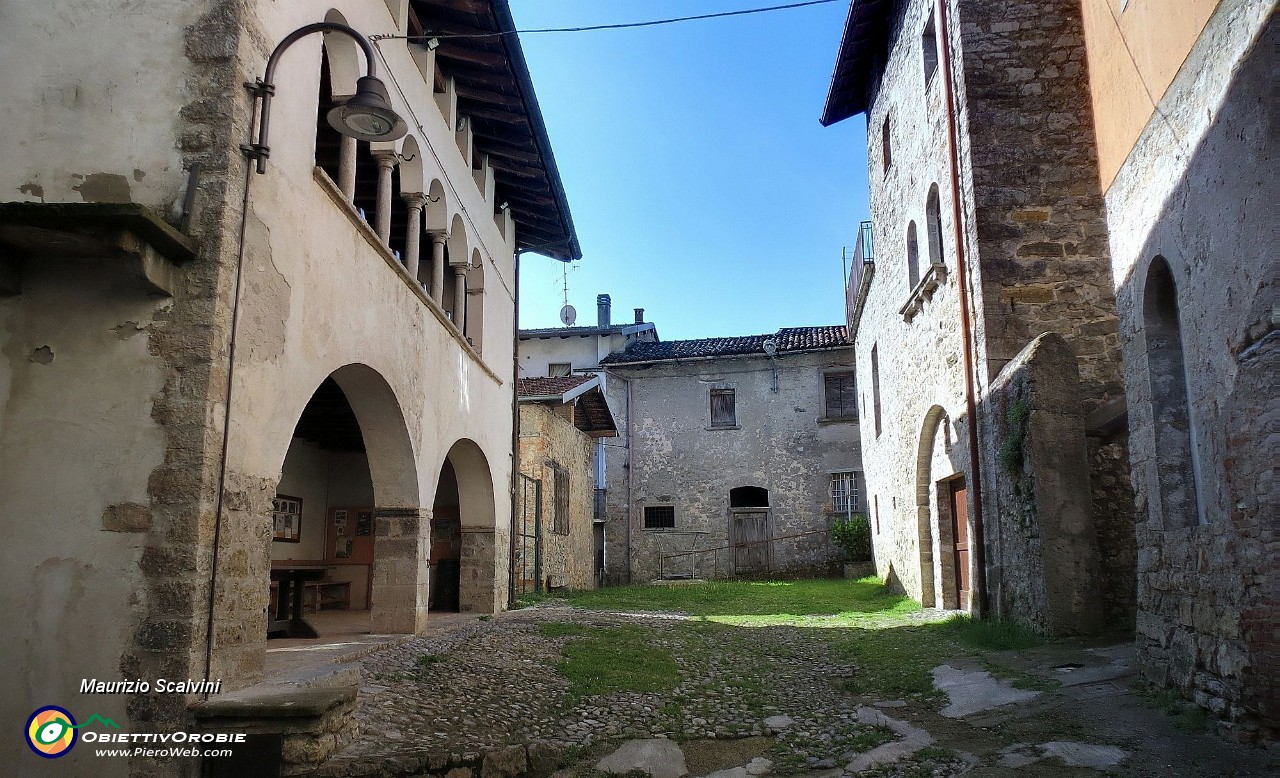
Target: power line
[621, 26]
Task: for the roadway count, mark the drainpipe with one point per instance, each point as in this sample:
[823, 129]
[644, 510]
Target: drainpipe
[630, 477]
[962, 280]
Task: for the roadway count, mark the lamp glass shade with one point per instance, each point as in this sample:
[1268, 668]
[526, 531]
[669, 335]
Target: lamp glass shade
[367, 115]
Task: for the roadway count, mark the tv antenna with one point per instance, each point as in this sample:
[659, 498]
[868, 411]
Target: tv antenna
[568, 315]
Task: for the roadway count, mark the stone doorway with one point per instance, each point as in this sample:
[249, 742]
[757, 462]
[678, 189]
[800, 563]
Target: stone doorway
[750, 530]
[466, 474]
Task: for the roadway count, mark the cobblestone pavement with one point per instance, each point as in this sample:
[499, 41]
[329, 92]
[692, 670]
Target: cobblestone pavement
[494, 683]
[486, 700]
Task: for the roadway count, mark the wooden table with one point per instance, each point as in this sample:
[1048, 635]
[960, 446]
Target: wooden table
[286, 620]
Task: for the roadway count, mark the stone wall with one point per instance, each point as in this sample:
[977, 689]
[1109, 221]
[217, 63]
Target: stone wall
[1040, 224]
[1193, 191]
[1043, 553]
[1034, 236]
[547, 435]
[780, 443]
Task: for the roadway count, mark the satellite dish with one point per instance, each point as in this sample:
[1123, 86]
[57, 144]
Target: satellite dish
[568, 315]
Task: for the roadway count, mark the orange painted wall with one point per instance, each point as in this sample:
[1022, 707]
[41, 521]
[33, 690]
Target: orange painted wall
[1134, 53]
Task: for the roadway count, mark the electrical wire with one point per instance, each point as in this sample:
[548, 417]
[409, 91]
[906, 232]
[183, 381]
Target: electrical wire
[619, 26]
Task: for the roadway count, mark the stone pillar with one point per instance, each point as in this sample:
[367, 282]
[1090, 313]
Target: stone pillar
[477, 587]
[401, 571]
[382, 221]
[413, 231]
[347, 168]
[460, 297]
[438, 238]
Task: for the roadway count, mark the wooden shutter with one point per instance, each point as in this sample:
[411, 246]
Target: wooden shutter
[724, 412]
[841, 403]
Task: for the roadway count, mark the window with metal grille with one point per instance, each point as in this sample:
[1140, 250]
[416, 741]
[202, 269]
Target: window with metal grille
[560, 489]
[844, 493]
[841, 401]
[559, 369]
[724, 410]
[659, 516]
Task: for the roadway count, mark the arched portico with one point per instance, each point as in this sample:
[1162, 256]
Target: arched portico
[346, 510]
[465, 513]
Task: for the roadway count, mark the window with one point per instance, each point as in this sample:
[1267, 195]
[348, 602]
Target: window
[559, 369]
[929, 48]
[875, 385]
[913, 256]
[886, 158]
[933, 217]
[845, 497]
[724, 411]
[876, 500]
[841, 401]
[560, 495]
[659, 516]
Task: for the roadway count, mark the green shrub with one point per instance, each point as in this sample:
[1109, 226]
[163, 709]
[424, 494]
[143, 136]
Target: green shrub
[853, 536]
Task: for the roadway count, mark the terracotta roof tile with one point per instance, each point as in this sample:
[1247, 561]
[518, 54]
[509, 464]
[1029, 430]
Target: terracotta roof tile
[789, 339]
[544, 387]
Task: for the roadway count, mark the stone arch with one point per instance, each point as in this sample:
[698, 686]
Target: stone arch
[412, 177]
[1176, 500]
[457, 255]
[924, 515]
[346, 62]
[475, 515]
[933, 224]
[350, 458]
[437, 206]
[913, 256]
[475, 300]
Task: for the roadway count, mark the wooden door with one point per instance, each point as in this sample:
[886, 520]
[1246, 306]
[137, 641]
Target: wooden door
[749, 531]
[960, 532]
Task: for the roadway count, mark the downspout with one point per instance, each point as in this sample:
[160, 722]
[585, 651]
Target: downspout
[630, 477]
[962, 280]
[515, 431]
[219, 499]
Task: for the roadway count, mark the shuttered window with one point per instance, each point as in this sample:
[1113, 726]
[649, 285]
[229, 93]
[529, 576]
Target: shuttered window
[659, 517]
[724, 411]
[841, 402]
[560, 488]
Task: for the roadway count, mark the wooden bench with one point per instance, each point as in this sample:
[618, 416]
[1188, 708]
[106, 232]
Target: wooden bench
[322, 594]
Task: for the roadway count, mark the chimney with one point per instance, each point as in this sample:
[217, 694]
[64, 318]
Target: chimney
[602, 310]
[639, 316]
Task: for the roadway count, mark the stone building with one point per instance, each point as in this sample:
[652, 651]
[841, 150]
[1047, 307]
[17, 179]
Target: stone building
[986, 313]
[1186, 141]
[739, 452]
[556, 541]
[1084, 179]
[212, 375]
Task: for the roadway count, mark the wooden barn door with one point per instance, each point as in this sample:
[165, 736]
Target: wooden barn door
[749, 538]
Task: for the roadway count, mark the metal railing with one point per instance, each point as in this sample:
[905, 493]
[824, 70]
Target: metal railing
[664, 560]
[862, 266]
[598, 506]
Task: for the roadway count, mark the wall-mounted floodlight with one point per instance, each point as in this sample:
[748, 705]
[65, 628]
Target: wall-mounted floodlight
[433, 44]
[770, 347]
[366, 115]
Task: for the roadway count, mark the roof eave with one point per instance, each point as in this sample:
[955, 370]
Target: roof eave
[524, 81]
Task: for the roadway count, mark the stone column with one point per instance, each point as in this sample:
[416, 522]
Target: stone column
[438, 238]
[382, 221]
[401, 567]
[347, 168]
[413, 231]
[460, 297]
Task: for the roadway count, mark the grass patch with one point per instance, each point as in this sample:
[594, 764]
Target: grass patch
[1019, 679]
[426, 660]
[760, 603]
[559, 629]
[893, 662]
[604, 660]
[1186, 715]
[992, 634]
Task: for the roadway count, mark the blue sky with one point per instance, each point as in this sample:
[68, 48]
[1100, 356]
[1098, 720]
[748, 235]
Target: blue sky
[702, 186]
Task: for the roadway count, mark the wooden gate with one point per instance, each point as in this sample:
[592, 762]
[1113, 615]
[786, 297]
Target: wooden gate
[749, 536]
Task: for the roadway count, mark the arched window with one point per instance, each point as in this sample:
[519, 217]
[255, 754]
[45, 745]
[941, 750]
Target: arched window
[749, 497]
[1167, 376]
[913, 256]
[933, 216]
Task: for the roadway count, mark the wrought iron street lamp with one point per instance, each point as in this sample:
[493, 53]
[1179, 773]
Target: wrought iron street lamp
[366, 115]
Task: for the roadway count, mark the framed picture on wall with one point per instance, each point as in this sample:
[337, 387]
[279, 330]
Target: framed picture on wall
[286, 519]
